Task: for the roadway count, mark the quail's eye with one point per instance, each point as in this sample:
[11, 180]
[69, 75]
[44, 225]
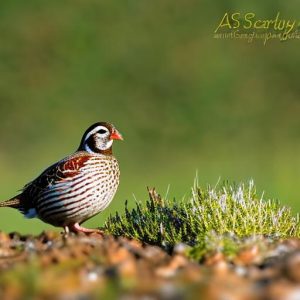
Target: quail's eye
[102, 131]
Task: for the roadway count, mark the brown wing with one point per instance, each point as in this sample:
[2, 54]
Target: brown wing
[59, 172]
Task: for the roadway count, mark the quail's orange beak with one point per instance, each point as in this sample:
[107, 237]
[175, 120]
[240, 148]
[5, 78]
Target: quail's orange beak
[116, 135]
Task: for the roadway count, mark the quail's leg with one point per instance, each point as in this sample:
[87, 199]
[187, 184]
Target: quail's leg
[66, 232]
[77, 228]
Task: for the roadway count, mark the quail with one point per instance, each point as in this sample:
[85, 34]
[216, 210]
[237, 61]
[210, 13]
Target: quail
[77, 187]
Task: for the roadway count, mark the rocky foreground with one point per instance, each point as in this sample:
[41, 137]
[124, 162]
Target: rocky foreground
[50, 266]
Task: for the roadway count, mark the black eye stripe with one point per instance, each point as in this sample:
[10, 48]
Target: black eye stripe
[102, 131]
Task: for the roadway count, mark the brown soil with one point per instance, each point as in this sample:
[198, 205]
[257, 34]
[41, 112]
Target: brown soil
[95, 267]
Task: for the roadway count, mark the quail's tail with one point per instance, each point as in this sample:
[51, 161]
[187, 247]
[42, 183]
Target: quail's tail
[14, 203]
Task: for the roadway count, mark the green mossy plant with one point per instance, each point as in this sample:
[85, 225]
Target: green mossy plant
[224, 218]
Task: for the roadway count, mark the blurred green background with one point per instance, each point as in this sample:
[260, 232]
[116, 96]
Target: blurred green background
[183, 100]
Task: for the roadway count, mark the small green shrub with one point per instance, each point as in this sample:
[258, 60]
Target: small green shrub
[213, 219]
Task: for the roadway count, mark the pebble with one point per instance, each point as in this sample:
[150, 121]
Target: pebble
[171, 269]
[292, 266]
[247, 256]
[181, 248]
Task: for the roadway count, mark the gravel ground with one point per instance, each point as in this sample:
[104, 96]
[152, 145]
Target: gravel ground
[50, 266]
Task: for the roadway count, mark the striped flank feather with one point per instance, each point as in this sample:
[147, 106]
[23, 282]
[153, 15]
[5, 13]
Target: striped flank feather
[83, 196]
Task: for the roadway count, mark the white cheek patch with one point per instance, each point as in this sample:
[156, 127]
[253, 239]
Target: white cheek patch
[103, 145]
[100, 144]
[109, 144]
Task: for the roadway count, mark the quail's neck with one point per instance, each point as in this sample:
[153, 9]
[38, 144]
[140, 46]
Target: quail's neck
[96, 151]
[106, 151]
